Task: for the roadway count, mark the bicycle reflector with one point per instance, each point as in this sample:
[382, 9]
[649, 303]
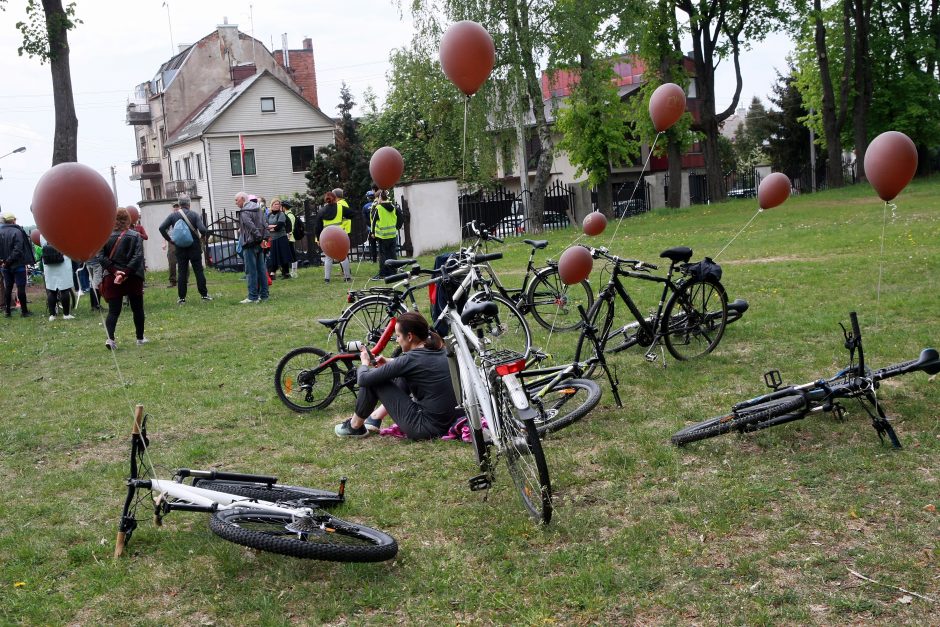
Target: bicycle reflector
[511, 367]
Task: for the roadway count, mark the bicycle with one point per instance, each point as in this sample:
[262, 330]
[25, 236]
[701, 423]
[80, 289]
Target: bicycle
[789, 403]
[690, 323]
[247, 509]
[543, 294]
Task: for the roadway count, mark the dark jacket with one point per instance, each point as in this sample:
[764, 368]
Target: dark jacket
[252, 225]
[327, 212]
[194, 218]
[16, 249]
[128, 254]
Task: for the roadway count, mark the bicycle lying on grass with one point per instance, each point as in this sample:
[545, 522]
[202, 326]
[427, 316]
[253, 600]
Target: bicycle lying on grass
[251, 510]
[789, 403]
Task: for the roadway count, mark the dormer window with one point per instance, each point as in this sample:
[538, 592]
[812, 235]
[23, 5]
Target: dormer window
[267, 105]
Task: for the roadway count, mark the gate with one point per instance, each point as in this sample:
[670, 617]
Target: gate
[223, 238]
[504, 213]
[624, 206]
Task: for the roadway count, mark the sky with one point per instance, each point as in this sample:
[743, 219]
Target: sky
[121, 43]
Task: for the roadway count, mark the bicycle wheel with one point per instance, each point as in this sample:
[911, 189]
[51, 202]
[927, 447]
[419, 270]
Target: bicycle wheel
[364, 321]
[508, 330]
[553, 304]
[303, 383]
[695, 319]
[320, 536]
[565, 402]
[296, 495]
[740, 420]
[601, 317]
[520, 445]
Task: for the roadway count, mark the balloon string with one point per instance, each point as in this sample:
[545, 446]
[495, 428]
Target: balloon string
[463, 166]
[759, 211]
[636, 186]
[881, 260]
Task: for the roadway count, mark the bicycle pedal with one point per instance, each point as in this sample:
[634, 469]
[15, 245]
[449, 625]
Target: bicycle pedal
[479, 482]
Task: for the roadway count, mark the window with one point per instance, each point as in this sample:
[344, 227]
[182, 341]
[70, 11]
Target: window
[188, 167]
[267, 105]
[143, 148]
[199, 165]
[300, 157]
[236, 159]
[178, 176]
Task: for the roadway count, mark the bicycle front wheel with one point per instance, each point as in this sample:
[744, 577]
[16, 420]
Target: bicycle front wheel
[303, 382]
[320, 537]
[520, 445]
[553, 304]
[508, 330]
[742, 419]
[365, 321]
[564, 403]
[695, 319]
[297, 496]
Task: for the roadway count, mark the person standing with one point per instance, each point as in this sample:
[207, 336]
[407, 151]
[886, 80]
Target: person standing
[251, 232]
[122, 260]
[331, 213]
[367, 218]
[291, 223]
[16, 252]
[186, 255]
[386, 220]
[57, 275]
[280, 255]
[170, 249]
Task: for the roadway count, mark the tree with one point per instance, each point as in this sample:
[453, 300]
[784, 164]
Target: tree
[350, 160]
[751, 135]
[45, 35]
[322, 173]
[788, 137]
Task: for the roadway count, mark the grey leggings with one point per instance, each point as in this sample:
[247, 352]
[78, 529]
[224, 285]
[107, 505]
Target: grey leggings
[328, 267]
[407, 414]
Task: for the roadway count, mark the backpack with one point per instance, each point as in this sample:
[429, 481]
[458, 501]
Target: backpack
[299, 230]
[704, 269]
[181, 234]
[51, 255]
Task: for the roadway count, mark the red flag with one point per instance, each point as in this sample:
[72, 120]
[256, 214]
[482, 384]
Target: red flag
[241, 143]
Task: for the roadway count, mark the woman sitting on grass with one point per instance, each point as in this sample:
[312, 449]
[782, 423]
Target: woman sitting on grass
[414, 388]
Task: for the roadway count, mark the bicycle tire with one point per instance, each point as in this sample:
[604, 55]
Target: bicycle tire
[328, 538]
[739, 420]
[364, 320]
[520, 445]
[509, 331]
[582, 394]
[304, 497]
[695, 319]
[296, 381]
[600, 316]
[553, 304]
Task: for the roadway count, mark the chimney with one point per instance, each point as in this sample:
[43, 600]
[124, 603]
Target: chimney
[308, 43]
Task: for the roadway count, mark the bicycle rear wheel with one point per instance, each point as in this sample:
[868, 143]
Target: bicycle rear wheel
[695, 319]
[321, 536]
[364, 321]
[509, 330]
[296, 495]
[748, 419]
[565, 402]
[303, 383]
[520, 445]
[553, 304]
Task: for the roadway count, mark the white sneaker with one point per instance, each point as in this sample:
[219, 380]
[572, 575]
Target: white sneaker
[68, 317]
[51, 318]
[142, 341]
[246, 301]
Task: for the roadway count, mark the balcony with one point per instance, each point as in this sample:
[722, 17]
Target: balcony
[145, 169]
[183, 186]
[138, 113]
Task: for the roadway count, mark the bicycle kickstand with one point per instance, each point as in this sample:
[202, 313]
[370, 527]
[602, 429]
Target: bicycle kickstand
[882, 425]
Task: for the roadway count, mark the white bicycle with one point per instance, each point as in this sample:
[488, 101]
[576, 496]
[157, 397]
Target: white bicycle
[251, 510]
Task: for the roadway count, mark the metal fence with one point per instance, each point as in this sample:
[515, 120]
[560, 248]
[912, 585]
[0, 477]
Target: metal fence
[504, 212]
[623, 204]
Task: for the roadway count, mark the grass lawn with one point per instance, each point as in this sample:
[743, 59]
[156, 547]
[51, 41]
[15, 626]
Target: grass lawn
[760, 529]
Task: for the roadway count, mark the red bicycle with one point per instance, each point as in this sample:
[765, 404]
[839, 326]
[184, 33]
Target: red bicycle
[309, 378]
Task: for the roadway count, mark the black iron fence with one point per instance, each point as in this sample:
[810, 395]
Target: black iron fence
[624, 205]
[504, 212]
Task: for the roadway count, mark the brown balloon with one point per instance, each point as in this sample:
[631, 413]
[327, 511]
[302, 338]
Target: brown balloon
[334, 242]
[773, 190]
[890, 163]
[386, 167]
[34, 236]
[667, 104]
[74, 208]
[594, 223]
[467, 56]
[575, 265]
[134, 213]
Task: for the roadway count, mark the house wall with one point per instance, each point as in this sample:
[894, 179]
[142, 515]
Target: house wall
[435, 215]
[152, 215]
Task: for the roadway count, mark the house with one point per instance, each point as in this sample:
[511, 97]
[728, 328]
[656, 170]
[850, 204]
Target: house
[207, 101]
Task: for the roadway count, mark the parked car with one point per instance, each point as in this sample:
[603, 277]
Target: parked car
[633, 207]
[222, 256]
[743, 192]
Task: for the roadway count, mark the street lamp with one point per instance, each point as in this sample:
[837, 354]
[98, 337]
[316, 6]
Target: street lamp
[13, 152]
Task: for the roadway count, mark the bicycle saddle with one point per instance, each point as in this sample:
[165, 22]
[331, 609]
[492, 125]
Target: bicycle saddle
[537, 244]
[329, 323]
[476, 311]
[398, 263]
[678, 254]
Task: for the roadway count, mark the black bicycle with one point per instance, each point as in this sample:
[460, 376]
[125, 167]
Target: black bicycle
[789, 403]
[690, 319]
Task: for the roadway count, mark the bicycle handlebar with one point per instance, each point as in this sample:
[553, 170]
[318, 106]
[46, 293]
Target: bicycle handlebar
[487, 257]
[395, 278]
[604, 253]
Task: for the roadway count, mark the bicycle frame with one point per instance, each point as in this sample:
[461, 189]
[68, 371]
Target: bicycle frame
[652, 326]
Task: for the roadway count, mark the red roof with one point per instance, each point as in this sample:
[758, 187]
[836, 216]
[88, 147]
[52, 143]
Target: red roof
[559, 83]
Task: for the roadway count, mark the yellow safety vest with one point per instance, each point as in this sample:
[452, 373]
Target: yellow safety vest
[340, 218]
[386, 225]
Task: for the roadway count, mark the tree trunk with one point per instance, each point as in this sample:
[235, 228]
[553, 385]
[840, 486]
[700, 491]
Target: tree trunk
[605, 198]
[65, 141]
[830, 125]
[674, 150]
[863, 83]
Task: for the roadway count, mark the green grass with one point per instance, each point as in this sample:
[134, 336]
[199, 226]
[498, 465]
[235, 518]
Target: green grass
[758, 529]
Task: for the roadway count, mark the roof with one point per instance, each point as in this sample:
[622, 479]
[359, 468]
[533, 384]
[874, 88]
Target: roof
[213, 108]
